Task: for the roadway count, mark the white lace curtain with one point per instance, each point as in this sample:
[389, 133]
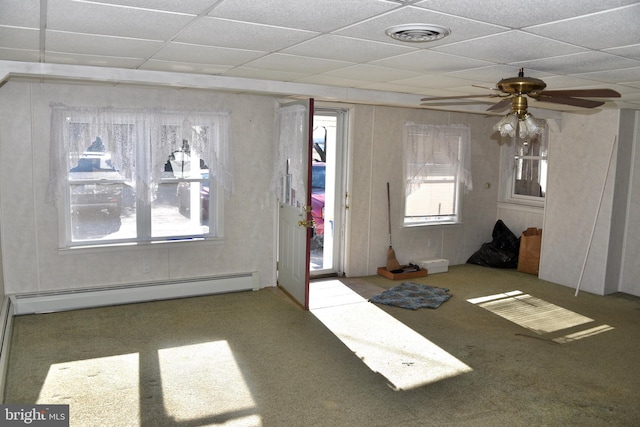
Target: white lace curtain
[139, 143]
[436, 150]
[290, 128]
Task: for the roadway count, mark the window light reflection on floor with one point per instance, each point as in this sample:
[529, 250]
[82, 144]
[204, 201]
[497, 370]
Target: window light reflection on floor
[204, 382]
[530, 312]
[583, 334]
[83, 384]
[201, 385]
[387, 346]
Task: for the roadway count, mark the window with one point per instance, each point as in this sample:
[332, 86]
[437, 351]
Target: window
[530, 168]
[437, 173]
[139, 176]
[523, 171]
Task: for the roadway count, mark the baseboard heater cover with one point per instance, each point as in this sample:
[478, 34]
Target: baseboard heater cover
[133, 293]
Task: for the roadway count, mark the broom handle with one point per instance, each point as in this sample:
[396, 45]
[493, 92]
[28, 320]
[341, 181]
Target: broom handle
[389, 211]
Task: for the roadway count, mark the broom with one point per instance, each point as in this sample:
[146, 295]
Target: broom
[392, 261]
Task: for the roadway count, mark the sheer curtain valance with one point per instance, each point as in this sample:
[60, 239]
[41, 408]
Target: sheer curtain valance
[434, 151]
[138, 144]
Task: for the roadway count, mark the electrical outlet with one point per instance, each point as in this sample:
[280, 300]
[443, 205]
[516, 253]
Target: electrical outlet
[146, 268]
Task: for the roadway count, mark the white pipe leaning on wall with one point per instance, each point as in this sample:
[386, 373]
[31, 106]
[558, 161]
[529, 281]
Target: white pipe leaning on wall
[595, 220]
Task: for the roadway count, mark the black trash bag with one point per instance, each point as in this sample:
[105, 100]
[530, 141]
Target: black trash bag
[501, 252]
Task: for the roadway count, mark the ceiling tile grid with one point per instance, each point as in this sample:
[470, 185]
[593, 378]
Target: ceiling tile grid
[570, 44]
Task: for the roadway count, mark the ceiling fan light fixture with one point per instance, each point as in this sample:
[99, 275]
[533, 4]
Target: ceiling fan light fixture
[417, 33]
[507, 126]
[523, 125]
[532, 125]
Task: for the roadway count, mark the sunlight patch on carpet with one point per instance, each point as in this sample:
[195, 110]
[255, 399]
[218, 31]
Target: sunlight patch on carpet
[83, 385]
[583, 334]
[387, 346]
[530, 312]
[203, 382]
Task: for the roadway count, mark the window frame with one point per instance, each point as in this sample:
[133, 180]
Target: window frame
[508, 172]
[409, 221]
[143, 158]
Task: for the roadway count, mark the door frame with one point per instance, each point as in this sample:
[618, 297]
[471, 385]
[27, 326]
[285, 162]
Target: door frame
[343, 115]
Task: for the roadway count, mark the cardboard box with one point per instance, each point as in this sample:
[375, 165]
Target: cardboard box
[382, 271]
[433, 265]
[529, 255]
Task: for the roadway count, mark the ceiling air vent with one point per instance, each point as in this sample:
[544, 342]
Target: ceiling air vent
[417, 32]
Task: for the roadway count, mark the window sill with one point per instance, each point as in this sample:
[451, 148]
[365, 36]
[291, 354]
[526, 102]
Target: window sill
[432, 224]
[135, 246]
[522, 205]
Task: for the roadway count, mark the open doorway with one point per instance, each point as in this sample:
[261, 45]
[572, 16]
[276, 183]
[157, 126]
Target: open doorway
[327, 182]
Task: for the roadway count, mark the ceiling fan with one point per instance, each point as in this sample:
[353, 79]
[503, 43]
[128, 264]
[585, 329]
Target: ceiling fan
[515, 91]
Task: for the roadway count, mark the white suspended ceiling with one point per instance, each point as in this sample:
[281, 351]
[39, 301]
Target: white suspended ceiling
[333, 47]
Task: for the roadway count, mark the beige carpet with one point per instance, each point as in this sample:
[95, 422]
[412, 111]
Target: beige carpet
[256, 359]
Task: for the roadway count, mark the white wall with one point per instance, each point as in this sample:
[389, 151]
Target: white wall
[377, 159]
[519, 217]
[31, 259]
[624, 250]
[33, 262]
[578, 163]
[29, 227]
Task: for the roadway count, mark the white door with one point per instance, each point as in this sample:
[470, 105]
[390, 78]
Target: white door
[294, 140]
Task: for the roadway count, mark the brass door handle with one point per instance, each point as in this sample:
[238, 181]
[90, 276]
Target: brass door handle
[307, 223]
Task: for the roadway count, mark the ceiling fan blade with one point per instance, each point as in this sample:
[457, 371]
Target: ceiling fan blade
[576, 102]
[583, 93]
[454, 104]
[442, 98]
[500, 105]
[484, 87]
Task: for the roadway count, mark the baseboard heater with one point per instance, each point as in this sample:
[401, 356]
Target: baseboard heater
[132, 293]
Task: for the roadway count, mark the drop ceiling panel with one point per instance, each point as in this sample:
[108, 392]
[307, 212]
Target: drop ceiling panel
[19, 55]
[341, 48]
[323, 79]
[184, 67]
[491, 74]
[616, 27]
[394, 87]
[521, 14]
[582, 62]
[631, 52]
[241, 35]
[462, 29]
[430, 61]
[510, 47]
[297, 64]
[93, 60]
[194, 7]
[371, 73]
[95, 18]
[256, 73]
[627, 75]
[181, 52]
[19, 38]
[90, 44]
[20, 13]
[435, 81]
[314, 15]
